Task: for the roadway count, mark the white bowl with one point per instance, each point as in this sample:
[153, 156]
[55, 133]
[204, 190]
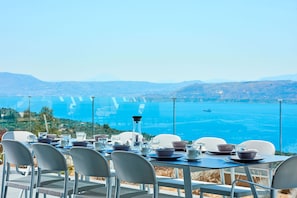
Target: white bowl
[165, 152]
[122, 147]
[247, 154]
[225, 147]
[179, 145]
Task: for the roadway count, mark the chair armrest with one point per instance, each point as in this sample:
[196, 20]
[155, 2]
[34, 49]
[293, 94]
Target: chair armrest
[248, 182]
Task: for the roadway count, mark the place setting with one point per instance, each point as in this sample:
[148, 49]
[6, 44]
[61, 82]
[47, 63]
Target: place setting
[245, 156]
[223, 149]
[193, 154]
[165, 154]
[109, 147]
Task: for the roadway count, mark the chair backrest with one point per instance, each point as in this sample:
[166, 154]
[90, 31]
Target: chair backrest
[89, 162]
[49, 158]
[132, 167]
[128, 136]
[210, 143]
[285, 176]
[22, 136]
[165, 140]
[17, 153]
[263, 147]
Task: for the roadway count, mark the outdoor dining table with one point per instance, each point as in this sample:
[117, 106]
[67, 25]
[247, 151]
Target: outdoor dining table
[205, 162]
[208, 161]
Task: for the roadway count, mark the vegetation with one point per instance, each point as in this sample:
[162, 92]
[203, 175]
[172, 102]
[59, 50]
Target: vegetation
[12, 120]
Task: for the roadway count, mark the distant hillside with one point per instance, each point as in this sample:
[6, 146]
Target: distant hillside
[242, 91]
[26, 85]
[282, 77]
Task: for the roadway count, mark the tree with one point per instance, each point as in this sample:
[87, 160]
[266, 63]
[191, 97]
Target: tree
[47, 112]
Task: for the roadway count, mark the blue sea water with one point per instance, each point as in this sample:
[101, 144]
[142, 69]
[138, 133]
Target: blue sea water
[233, 121]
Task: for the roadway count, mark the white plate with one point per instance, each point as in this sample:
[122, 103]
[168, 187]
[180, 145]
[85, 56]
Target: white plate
[193, 159]
[166, 158]
[222, 152]
[237, 159]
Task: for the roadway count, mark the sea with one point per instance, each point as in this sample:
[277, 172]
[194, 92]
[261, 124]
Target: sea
[190, 119]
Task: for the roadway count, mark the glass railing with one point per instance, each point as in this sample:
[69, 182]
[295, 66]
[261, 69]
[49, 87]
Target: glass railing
[187, 117]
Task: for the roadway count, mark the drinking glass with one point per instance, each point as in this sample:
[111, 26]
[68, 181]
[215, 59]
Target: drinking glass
[200, 146]
[115, 139]
[80, 136]
[155, 143]
[66, 138]
[32, 138]
[42, 134]
[145, 149]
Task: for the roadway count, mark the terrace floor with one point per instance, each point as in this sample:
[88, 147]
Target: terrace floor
[13, 192]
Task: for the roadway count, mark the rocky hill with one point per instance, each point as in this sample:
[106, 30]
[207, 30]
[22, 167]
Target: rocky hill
[242, 91]
[26, 85]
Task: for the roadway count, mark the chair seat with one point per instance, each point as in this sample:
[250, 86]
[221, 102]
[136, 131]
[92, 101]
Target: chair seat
[179, 183]
[24, 182]
[126, 192]
[21, 183]
[225, 190]
[57, 188]
[98, 192]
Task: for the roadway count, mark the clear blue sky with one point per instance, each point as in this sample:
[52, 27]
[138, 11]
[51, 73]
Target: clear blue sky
[149, 40]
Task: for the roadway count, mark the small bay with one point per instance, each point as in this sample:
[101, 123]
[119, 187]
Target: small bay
[233, 121]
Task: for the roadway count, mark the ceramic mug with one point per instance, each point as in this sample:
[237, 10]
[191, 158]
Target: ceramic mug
[145, 150]
[63, 142]
[192, 153]
[99, 146]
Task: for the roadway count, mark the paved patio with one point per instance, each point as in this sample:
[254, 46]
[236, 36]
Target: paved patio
[13, 192]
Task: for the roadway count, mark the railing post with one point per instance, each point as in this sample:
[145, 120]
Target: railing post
[280, 125]
[29, 109]
[174, 116]
[93, 115]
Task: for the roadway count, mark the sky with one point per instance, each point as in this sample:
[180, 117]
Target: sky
[148, 40]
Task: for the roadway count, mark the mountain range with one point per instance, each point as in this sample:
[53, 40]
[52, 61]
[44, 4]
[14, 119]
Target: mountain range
[267, 90]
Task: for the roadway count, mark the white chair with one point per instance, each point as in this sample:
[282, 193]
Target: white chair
[129, 136]
[21, 136]
[263, 148]
[165, 140]
[18, 154]
[131, 167]
[210, 143]
[89, 163]
[52, 160]
[285, 177]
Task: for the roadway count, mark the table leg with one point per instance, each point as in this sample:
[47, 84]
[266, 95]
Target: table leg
[3, 178]
[250, 178]
[270, 172]
[273, 193]
[187, 182]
